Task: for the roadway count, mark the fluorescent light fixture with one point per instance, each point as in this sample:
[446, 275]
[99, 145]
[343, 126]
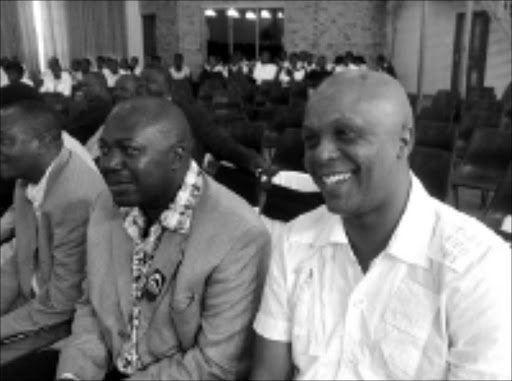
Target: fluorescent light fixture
[265, 14]
[250, 15]
[232, 12]
[280, 15]
[210, 13]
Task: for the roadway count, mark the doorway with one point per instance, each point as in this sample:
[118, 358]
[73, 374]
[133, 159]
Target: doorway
[479, 38]
[149, 35]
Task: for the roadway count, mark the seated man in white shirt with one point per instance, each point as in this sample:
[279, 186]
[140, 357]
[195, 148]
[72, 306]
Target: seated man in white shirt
[384, 282]
[56, 80]
[178, 70]
[264, 70]
[292, 73]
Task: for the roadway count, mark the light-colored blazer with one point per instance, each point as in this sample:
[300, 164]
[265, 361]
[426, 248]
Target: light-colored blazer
[57, 239]
[200, 326]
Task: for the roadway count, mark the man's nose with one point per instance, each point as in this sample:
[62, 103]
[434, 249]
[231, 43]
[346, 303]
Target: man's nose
[327, 150]
[111, 161]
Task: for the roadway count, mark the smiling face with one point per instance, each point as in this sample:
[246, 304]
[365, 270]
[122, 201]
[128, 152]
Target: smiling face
[356, 143]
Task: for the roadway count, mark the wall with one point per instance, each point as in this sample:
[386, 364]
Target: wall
[167, 33]
[440, 31]
[327, 27]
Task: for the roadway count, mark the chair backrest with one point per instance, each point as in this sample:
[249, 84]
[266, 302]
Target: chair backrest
[432, 134]
[490, 147]
[433, 167]
[501, 203]
[289, 152]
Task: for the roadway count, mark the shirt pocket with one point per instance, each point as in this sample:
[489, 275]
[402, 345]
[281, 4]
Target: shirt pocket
[407, 324]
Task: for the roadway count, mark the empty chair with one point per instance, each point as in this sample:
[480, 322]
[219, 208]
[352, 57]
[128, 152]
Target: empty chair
[484, 163]
[433, 167]
[438, 135]
[501, 203]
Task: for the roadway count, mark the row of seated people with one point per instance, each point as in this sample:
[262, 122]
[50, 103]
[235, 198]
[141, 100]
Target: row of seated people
[165, 273]
[293, 68]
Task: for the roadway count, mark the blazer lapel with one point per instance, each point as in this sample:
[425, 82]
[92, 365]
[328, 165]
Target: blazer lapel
[166, 262]
[122, 252]
[26, 237]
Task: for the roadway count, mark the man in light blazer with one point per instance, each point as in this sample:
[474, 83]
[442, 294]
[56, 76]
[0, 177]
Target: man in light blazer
[175, 273]
[55, 191]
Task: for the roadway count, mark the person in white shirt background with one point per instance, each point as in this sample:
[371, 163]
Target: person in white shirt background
[179, 70]
[293, 72]
[56, 80]
[264, 70]
[384, 281]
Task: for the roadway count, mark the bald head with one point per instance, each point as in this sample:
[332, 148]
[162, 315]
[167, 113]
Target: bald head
[157, 115]
[377, 95]
[125, 87]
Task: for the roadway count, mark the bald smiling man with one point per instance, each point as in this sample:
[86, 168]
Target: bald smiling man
[384, 281]
[175, 267]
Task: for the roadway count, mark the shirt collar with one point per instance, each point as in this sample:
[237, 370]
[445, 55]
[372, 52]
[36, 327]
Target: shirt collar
[35, 192]
[409, 242]
[178, 216]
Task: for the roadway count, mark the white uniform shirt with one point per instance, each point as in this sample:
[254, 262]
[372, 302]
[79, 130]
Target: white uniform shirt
[435, 304]
[264, 72]
[63, 85]
[184, 73]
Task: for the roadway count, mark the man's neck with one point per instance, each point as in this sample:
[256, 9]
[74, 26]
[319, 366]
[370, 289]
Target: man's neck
[370, 234]
[41, 169]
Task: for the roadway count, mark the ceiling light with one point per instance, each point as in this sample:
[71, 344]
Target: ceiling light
[210, 13]
[265, 14]
[250, 15]
[232, 12]
[280, 15]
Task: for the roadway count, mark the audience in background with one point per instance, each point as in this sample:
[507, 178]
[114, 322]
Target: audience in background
[264, 70]
[88, 114]
[135, 66]
[124, 66]
[384, 65]
[292, 72]
[179, 70]
[171, 292]
[56, 80]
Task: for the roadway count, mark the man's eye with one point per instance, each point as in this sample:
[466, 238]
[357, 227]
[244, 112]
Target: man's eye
[131, 151]
[344, 134]
[104, 150]
[310, 141]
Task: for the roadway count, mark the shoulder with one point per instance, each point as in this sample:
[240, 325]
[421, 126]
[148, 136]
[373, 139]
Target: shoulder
[77, 181]
[219, 204]
[462, 241]
[307, 226]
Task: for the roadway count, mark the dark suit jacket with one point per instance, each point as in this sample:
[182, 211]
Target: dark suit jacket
[200, 325]
[58, 237]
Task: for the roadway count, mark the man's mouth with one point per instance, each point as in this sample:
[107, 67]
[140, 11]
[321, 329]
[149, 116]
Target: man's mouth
[336, 178]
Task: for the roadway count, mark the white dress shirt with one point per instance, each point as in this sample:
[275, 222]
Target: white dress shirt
[63, 85]
[435, 304]
[4, 80]
[184, 73]
[264, 72]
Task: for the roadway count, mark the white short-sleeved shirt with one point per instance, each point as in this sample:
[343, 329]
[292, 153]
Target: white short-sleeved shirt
[184, 73]
[264, 72]
[63, 85]
[435, 304]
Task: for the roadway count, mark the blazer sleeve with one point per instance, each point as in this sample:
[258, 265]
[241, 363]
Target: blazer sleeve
[232, 295]
[85, 354]
[56, 300]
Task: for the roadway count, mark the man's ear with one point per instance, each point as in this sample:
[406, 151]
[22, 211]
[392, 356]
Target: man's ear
[407, 137]
[177, 155]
